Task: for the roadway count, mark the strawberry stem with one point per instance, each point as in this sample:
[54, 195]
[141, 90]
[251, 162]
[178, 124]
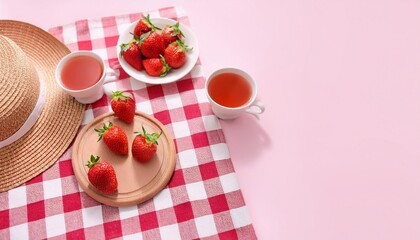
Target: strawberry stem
[139, 39]
[120, 95]
[125, 46]
[165, 65]
[150, 137]
[176, 29]
[103, 130]
[93, 161]
[149, 23]
[182, 47]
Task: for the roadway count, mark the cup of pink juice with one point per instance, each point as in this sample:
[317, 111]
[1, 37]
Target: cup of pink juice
[82, 75]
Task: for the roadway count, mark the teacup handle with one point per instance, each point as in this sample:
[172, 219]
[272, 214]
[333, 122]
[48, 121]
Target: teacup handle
[256, 108]
[111, 75]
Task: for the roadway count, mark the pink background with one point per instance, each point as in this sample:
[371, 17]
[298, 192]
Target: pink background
[336, 154]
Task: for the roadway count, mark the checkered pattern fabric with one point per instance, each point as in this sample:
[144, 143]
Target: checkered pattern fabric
[203, 199]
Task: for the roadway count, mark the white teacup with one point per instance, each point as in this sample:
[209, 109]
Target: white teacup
[93, 92]
[218, 94]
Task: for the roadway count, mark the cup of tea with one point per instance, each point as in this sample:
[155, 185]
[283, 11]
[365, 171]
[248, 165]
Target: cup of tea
[232, 92]
[82, 75]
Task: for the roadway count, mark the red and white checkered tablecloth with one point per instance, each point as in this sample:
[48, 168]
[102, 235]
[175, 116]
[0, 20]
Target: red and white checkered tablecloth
[203, 199]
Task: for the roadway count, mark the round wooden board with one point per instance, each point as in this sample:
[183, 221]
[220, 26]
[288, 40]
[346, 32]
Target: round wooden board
[137, 182]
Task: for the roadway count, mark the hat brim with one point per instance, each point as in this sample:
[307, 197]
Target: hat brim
[60, 119]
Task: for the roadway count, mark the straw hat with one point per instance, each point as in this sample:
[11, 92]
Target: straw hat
[38, 121]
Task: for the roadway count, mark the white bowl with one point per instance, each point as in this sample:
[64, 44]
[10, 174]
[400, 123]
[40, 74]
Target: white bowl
[175, 74]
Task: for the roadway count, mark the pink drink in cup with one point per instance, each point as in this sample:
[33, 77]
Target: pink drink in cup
[81, 72]
[82, 75]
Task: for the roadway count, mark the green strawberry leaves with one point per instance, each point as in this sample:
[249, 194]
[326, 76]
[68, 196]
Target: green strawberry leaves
[149, 23]
[121, 95]
[93, 161]
[165, 65]
[103, 130]
[150, 137]
[176, 31]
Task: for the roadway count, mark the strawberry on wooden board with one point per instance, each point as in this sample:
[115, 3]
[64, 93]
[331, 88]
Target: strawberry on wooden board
[144, 25]
[175, 55]
[131, 53]
[152, 45]
[171, 33]
[123, 105]
[114, 137]
[156, 66]
[102, 175]
[144, 145]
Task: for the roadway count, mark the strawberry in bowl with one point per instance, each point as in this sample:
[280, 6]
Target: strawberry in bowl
[159, 37]
[172, 33]
[144, 25]
[175, 54]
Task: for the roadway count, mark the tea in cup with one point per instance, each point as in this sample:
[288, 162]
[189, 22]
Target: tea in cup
[82, 74]
[231, 92]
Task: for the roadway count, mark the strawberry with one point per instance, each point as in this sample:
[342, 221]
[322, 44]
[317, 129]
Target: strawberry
[144, 25]
[175, 54]
[123, 105]
[152, 45]
[102, 175]
[131, 54]
[114, 137]
[156, 66]
[144, 145]
[171, 33]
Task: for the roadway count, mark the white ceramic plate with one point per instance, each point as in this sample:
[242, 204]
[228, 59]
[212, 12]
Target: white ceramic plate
[175, 74]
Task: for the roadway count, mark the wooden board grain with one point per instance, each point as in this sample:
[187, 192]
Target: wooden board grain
[137, 182]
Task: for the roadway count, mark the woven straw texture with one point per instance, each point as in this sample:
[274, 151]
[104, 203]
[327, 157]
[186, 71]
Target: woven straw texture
[18, 96]
[56, 127]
